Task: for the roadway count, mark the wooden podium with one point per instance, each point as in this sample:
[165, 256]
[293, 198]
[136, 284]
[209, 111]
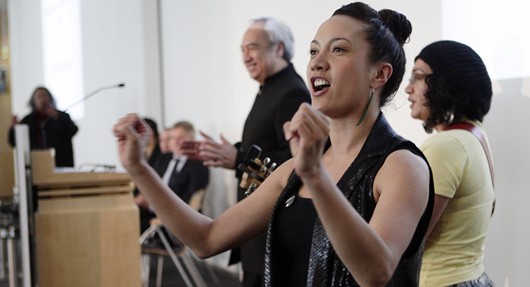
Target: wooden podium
[86, 227]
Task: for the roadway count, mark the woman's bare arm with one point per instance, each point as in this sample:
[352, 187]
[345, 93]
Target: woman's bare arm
[371, 251]
[206, 237]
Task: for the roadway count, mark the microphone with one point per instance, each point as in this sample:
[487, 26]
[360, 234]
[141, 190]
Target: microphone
[119, 85]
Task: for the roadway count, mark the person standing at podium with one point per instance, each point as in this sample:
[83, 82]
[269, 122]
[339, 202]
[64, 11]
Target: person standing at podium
[48, 127]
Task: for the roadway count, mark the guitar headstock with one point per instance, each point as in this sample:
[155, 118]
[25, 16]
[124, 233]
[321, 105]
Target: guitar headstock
[255, 170]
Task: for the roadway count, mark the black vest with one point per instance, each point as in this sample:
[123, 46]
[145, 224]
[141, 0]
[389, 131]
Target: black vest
[325, 267]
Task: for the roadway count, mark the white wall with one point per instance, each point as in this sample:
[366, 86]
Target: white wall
[204, 81]
[26, 51]
[114, 44]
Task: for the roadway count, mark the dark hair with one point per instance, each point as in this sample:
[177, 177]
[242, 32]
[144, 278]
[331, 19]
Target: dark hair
[459, 87]
[154, 128]
[387, 33]
[447, 104]
[31, 102]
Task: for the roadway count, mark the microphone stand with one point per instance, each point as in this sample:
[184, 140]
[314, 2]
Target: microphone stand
[120, 85]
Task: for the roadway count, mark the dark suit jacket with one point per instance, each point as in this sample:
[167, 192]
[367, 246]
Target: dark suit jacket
[278, 100]
[192, 177]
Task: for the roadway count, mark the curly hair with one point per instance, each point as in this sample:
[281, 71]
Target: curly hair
[448, 104]
[459, 87]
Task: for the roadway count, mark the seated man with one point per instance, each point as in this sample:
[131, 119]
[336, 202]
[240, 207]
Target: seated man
[183, 175]
[187, 178]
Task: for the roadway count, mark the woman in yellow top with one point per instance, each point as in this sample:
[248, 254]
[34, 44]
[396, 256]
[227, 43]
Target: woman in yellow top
[450, 91]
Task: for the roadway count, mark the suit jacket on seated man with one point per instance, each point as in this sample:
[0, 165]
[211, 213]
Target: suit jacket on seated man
[183, 175]
[186, 177]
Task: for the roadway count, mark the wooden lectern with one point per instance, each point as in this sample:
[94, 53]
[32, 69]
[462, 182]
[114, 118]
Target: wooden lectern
[86, 227]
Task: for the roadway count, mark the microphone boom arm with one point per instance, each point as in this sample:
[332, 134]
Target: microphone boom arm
[120, 85]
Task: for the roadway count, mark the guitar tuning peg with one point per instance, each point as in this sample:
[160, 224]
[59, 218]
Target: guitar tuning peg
[273, 166]
[266, 161]
[251, 189]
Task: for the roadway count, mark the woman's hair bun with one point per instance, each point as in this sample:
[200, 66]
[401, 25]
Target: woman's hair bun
[398, 24]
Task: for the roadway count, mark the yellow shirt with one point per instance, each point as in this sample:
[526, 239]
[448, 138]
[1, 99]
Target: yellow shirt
[454, 250]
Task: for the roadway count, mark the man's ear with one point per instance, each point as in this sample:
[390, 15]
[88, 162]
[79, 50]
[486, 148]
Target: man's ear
[279, 49]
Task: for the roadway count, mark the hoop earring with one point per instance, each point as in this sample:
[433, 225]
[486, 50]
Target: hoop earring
[372, 92]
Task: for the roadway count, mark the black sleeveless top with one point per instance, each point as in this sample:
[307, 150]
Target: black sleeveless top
[294, 233]
[324, 266]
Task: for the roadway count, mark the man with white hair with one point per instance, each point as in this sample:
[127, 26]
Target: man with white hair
[267, 49]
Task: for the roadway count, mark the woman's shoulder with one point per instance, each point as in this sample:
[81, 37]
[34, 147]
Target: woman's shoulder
[449, 140]
[406, 158]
